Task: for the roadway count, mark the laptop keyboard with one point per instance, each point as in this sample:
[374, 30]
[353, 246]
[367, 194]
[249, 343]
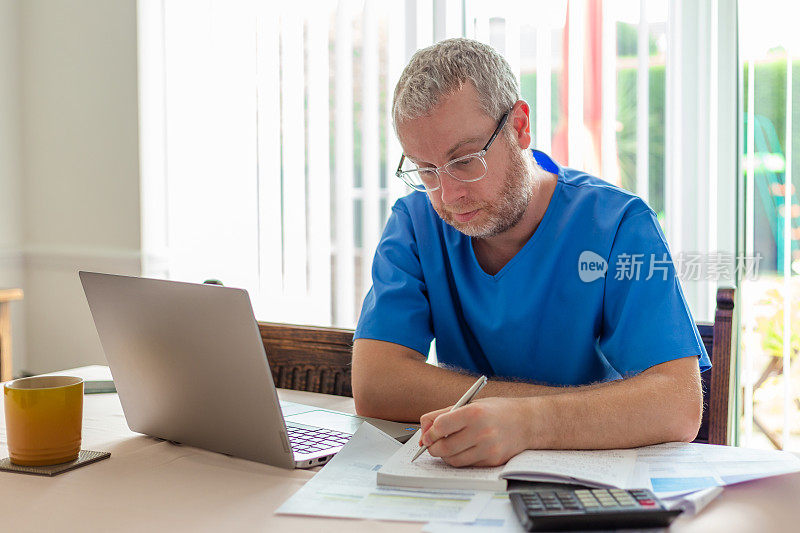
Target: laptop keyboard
[310, 440]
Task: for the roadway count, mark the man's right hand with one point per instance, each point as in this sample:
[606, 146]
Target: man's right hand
[486, 432]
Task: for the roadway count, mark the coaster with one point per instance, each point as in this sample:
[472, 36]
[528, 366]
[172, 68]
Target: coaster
[85, 457]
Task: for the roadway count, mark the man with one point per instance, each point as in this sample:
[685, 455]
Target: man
[500, 258]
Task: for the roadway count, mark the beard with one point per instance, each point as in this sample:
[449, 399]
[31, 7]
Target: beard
[507, 211]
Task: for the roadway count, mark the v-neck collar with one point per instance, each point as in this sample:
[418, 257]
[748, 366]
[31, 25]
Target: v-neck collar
[544, 161]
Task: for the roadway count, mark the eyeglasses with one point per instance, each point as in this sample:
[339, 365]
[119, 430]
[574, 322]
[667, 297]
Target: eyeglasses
[467, 168]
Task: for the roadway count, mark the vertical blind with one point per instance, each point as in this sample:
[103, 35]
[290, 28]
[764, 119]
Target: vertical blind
[270, 155]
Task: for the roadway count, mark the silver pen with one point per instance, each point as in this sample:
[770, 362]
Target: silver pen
[468, 396]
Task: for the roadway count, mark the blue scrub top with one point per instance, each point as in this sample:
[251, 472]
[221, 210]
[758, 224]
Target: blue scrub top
[549, 316]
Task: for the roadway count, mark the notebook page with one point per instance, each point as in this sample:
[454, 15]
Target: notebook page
[603, 467]
[428, 471]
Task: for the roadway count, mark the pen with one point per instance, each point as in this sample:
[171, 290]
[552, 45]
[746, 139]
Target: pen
[468, 396]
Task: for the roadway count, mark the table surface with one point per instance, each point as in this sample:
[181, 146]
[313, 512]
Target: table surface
[151, 484]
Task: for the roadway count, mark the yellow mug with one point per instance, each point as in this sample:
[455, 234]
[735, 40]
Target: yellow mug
[43, 419]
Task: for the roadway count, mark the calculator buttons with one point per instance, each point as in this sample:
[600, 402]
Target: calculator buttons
[551, 510]
[591, 501]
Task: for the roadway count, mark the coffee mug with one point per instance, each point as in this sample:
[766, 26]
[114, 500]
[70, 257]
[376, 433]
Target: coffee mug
[43, 419]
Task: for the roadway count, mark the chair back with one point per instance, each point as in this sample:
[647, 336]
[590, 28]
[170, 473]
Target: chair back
[718, 340]
[309, 358]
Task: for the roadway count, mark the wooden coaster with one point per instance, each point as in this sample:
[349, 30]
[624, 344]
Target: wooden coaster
[85, 457]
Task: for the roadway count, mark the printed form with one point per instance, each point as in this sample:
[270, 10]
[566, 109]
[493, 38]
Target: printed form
[346, 488]
[677, 468]
[602, 468]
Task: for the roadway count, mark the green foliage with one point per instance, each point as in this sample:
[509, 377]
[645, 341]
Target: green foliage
[626, 131]
[628, 40]
[770, 325]
[527, 85]
[626, 118]
[770, 101]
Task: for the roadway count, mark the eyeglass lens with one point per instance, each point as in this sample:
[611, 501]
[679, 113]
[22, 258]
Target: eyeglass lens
[468, 168]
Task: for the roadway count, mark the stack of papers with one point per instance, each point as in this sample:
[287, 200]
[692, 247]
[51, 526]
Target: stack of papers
[679, 468]
[346, 487]
[670, 470]
[683, 475]
[596, 468]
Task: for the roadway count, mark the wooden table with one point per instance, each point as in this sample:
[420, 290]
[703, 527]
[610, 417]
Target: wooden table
[6, 297]
[151, 485]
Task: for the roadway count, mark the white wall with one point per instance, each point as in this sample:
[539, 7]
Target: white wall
[11, 266]
[10, 179]
[79, 157]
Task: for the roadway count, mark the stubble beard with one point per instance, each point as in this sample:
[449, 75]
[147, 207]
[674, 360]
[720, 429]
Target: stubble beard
[506, 213]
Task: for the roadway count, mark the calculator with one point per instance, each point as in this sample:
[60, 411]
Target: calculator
[565, 509]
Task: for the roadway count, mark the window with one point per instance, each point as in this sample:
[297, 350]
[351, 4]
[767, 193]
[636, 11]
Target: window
[272, 133]
[770, 313]
[268, 151]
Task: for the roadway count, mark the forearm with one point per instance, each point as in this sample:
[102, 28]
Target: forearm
[404, 389]
[396, 387]
[662, 404]
[646, 409]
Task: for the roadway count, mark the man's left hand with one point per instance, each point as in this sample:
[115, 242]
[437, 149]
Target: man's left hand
[487, 432]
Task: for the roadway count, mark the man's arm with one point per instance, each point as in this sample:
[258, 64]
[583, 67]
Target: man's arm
[663, 403]
[393, 382]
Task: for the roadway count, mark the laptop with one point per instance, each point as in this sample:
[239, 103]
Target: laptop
[189, 366]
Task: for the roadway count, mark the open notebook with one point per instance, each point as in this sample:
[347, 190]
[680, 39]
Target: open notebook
[596, 468]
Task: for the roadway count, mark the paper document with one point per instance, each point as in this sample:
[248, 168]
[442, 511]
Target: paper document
[427, 467]
[612, 468]
[96, 378]
[599, 468]
[346, 487]
[693, 503]
[497, 517]
[88, 373]
[677, 468]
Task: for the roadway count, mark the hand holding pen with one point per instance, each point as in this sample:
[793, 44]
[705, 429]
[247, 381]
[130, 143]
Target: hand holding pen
[468, 396]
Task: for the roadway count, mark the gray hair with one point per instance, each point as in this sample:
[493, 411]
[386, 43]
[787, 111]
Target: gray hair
[442, 69]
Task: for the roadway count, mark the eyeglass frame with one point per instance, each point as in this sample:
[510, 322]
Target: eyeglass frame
[480, 154]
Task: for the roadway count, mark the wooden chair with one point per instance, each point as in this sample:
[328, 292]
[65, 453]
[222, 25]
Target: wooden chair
[6, 297]
[717, 338]
[309, 358]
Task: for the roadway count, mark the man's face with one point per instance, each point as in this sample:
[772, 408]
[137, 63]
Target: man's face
[458, 126]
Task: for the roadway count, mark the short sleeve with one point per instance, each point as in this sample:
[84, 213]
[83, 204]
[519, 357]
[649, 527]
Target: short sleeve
[396, 308]
[646, 320]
